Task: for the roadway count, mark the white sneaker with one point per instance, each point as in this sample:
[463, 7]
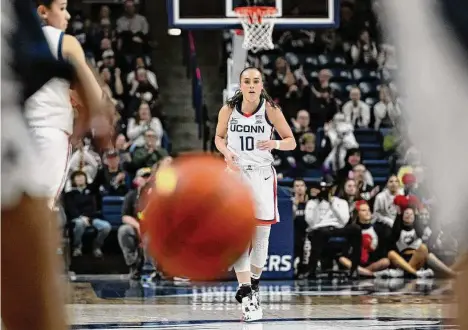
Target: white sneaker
[256, 293]
[251, 310]
[382, 274]
[425, 273]
[429, 273]
[395, 273]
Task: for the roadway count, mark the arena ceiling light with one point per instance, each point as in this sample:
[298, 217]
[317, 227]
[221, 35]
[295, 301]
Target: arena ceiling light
[174, 32]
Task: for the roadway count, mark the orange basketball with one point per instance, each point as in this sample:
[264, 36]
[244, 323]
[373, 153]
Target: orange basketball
[199, 218]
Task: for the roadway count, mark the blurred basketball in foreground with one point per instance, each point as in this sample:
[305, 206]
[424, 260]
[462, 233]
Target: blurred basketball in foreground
[199, 218]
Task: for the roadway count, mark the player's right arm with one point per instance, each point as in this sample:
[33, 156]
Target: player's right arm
[87, 86]
[73, 52]
[221, 137]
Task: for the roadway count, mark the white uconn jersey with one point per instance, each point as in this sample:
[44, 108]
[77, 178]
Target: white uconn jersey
[50, 106]
[244, 131]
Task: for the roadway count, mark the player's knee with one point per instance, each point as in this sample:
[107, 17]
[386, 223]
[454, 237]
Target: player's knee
[259, 253]
[392, 255]
[385, 262]
[125, 230]
[423, 249]
[79, 223]
[104, 227]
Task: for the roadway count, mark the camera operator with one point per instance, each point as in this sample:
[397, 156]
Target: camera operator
[328, 216]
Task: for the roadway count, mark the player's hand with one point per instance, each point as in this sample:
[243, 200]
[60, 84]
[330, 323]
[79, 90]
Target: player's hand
[266, 145]
[102, 129]
[99, 119]
[231, 160]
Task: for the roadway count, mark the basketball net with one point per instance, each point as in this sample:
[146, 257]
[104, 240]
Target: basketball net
[258, 24]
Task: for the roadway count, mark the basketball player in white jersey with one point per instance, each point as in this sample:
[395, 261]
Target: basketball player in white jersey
[49, 111]
[244, 136]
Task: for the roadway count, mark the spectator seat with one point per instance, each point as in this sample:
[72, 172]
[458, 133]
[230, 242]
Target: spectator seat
[331, 60]
[268, 61]
[312, 76]
[313, 173]
[341, 75]
[369, 89]
[289, 181]
[371, 101]
[367, 135]
[367, 75]
[310, 62]
[284, 192]
[380, 181]
[378, 168]
[385, 131]
[293, 60]
[112, 210]
[342, 88]
[371, 151]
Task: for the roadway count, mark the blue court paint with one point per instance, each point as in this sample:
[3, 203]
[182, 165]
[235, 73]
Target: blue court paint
[175, 21]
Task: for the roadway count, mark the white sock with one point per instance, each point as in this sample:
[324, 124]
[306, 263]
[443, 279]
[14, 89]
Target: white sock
[255, 276]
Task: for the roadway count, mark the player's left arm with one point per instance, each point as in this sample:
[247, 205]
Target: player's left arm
[287, 142]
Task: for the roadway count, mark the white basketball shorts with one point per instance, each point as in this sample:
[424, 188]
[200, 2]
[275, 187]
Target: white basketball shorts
[263, 182]
[53, 146]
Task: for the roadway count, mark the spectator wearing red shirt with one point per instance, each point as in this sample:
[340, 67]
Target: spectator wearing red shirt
[371, 260]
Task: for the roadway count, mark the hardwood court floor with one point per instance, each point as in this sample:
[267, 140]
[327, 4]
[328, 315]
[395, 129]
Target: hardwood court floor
[116, 303]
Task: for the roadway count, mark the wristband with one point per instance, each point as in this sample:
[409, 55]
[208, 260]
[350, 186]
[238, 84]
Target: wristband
[277, 145]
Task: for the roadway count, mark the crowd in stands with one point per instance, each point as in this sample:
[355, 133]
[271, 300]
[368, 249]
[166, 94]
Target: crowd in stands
[357, 180]
[117, 43]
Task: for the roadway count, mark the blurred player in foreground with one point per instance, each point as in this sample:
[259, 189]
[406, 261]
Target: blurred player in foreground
[243, 135]
[432, 38]
[32, 292]
[49, 111]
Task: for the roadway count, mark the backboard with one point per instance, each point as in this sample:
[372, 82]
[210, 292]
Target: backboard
[219, 14]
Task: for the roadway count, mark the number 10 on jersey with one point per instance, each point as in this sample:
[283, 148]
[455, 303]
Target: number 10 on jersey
[247, 143]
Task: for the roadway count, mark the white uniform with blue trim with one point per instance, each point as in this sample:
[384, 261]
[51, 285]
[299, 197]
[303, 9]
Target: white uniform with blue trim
[244, 131]
[17, 152]
[50, 115]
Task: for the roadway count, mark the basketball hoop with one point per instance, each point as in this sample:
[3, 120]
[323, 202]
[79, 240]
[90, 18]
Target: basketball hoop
[258, 23]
